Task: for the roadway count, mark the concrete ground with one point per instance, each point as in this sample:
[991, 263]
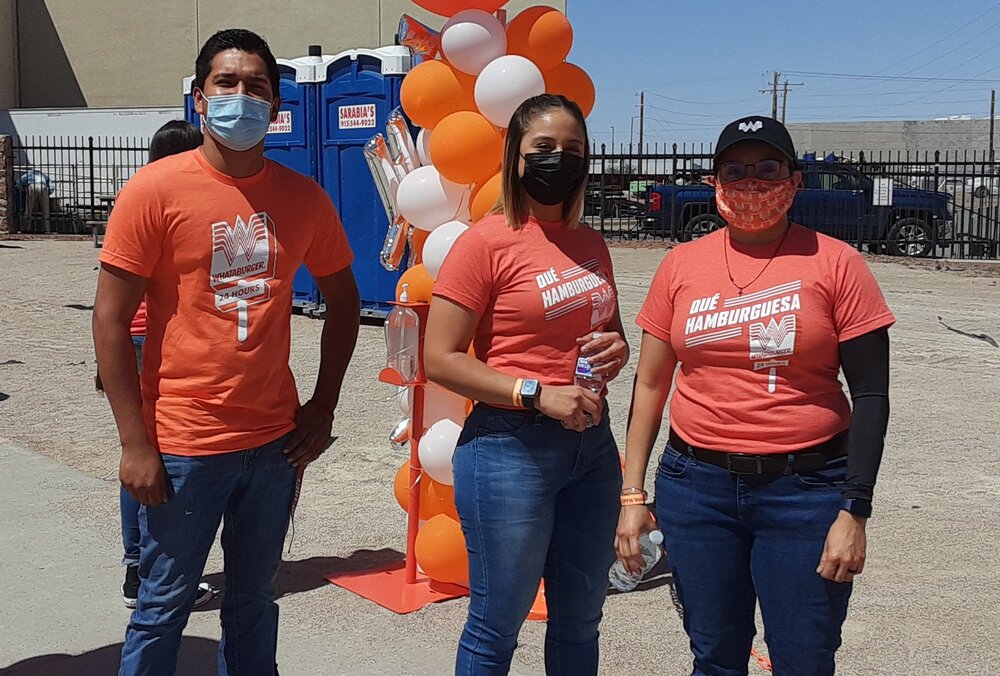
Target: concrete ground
[928, 602]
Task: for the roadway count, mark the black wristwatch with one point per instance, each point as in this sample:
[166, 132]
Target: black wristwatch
[530, 390]
[857, 507]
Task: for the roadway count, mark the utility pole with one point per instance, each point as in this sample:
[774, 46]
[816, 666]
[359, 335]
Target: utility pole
[773, 91]
[642, 126]
[612, 138]
[774, 95]
[784, 98]
[993, 115]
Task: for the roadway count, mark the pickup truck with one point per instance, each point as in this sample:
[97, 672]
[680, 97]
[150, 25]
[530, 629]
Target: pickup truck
[837, 199]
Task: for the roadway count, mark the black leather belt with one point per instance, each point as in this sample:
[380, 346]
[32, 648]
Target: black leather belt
[807, 460]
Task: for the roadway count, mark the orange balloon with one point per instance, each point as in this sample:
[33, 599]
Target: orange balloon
[436, 498]
[466, 147]
[420, 284]
[433, 90]
[542, 34]
[401, 486]
[417, 242]
[441, 551]
[572, 82]
[484, 197]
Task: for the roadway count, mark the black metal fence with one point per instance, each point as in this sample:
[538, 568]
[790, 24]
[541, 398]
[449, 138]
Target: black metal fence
[84, 175]
[928, 204]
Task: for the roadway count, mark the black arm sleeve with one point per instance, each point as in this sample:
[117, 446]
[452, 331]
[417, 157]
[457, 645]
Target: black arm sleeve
[865, 361]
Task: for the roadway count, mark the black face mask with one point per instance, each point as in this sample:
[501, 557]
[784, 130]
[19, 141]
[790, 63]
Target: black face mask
[550, 177]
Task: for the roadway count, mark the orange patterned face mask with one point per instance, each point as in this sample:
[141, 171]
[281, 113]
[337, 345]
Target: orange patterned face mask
[752, 204]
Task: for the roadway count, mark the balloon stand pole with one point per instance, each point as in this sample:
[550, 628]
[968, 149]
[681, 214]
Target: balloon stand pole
[400, 587]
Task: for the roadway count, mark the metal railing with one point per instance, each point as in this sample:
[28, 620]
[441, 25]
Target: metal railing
[84, 174]
[929, 204]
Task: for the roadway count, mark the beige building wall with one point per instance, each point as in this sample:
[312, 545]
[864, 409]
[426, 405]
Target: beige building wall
[8, 54]
[103, 53]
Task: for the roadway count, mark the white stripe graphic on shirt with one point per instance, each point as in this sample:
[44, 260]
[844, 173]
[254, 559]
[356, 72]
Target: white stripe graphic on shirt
[761, 295]
[577, 270]
[713, 337]
[567, 308]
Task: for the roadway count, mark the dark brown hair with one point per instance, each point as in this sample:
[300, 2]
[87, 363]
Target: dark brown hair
[513, 201]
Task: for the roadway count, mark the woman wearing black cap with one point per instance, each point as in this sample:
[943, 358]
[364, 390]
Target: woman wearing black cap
[765, 486]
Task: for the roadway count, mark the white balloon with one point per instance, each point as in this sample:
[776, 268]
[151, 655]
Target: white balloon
[504, 84]
[424, 147]
[426, 199]
[471, 39]
[436, 448]
[439, 243]
[441, 403]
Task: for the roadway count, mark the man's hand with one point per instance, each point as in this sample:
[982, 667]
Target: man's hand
[143, 476]
[313, 425]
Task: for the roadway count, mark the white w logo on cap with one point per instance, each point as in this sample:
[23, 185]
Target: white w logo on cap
[748, 127]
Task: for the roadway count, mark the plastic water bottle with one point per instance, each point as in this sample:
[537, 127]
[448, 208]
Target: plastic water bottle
[402, 339]
[649, 545]
[586, 378]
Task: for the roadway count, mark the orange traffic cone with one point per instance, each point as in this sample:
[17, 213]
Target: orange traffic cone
[539, 612]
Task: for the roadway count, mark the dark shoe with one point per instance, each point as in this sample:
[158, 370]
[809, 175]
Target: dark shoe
[206, 593]
[130, 587]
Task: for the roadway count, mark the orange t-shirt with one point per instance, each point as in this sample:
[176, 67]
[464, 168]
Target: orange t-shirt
[537, 290]
[220, 254]
[138, 327]
[759, 371]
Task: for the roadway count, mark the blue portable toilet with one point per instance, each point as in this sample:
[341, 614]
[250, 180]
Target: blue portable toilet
[356, 92]
[291, 141]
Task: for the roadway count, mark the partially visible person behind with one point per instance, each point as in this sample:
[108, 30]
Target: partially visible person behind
[537, 470]
[176, 136]
[36, 189]
[213, 238]
[765, 485]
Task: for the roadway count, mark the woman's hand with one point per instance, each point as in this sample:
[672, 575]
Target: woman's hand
[606, 351]
[576, 407]
[633, 521]
[844, 551]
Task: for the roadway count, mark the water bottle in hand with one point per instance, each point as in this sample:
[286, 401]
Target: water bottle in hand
[649, 544]
[586, 378]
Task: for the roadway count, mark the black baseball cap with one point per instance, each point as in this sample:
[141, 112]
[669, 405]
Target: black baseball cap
[757, 128]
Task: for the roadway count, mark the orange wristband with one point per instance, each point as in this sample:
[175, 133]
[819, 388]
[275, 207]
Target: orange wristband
[516, 394]
[633, 499]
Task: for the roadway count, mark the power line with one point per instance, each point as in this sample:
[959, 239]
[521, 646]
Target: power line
[857, 76]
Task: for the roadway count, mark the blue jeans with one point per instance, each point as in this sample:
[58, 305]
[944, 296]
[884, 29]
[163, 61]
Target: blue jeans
[252, 491]
[535, 500]
[128, 505]
[734, 541]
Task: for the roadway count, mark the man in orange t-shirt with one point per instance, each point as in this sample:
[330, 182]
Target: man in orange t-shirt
[213, 238]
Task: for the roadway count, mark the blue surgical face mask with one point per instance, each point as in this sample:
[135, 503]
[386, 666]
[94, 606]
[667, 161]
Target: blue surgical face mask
[237, 121]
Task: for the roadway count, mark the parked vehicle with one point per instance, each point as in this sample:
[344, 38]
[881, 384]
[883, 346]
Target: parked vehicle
[837, 199]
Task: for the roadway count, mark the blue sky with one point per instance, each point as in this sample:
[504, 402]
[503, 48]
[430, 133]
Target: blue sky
[702, 63]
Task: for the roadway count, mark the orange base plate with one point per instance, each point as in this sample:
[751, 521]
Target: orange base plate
[388, 588]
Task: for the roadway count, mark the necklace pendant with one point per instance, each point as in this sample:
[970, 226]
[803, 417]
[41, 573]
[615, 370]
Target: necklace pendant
[740, 293]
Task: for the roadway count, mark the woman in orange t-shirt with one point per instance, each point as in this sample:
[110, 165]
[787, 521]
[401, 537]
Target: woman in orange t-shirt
[766, 484]
[537, 471]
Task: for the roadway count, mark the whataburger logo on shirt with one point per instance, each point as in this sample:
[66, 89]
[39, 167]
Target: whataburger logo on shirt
[572, 289]
[244, 258]
[767, 315]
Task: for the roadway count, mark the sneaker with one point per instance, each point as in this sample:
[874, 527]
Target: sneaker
[206, 593]
[130, 587]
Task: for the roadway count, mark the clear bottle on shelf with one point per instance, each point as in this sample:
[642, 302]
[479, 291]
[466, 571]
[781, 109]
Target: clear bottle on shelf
[650, 544]
[402, 339]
